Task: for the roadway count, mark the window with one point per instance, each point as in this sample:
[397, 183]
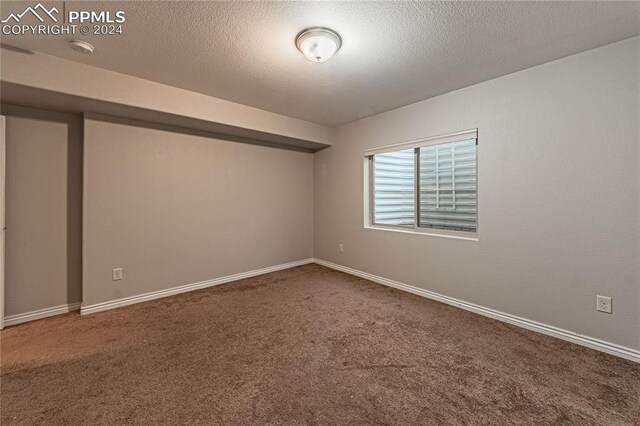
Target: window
[425, 184]
[394, 182]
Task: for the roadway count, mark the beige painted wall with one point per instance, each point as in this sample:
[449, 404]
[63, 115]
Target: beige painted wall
[44, 209]
[559, 206]
[174, 208]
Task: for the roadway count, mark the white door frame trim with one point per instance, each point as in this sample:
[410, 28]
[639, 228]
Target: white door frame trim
[2, 213]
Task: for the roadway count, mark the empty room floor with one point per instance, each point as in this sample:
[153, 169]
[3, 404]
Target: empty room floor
[306, 345]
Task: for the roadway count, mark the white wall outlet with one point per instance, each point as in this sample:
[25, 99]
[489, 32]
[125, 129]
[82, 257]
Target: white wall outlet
[341, 248]
[116, 274]
[604, 304]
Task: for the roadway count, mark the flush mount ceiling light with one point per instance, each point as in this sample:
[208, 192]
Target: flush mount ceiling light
[81, 46]
[318, 44]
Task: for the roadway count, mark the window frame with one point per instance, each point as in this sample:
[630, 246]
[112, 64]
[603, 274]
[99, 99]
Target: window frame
[369, 186]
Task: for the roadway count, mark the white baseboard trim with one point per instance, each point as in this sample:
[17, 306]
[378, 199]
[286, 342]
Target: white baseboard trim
[570, 336]
[40, 313]
[112, 304]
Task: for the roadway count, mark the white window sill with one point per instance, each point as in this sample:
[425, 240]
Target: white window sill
[469, 236]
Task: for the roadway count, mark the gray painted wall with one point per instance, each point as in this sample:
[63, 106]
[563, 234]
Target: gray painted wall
[59, 83]
[174, 208]
[44, 209]
[559, 206]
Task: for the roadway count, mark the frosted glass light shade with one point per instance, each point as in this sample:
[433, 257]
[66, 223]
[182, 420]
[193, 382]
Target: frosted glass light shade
[318, 44]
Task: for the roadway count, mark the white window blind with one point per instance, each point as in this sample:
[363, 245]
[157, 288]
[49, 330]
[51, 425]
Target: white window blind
[444, 171]
[448, 186]
[393, 194]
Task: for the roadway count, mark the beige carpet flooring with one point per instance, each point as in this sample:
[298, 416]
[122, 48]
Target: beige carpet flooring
[304, 346]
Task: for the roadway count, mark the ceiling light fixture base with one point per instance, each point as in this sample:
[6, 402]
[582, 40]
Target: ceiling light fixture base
[81, 46]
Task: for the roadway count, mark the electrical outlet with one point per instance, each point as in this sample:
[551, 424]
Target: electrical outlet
[341, 248]
[604, 304]
[116, 274]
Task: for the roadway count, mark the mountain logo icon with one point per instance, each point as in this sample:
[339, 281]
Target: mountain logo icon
[16, 17]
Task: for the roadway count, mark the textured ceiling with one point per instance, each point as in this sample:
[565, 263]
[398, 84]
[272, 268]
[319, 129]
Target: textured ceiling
[393, 54]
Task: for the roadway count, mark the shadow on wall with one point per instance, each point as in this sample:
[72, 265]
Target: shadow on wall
[44, 209]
